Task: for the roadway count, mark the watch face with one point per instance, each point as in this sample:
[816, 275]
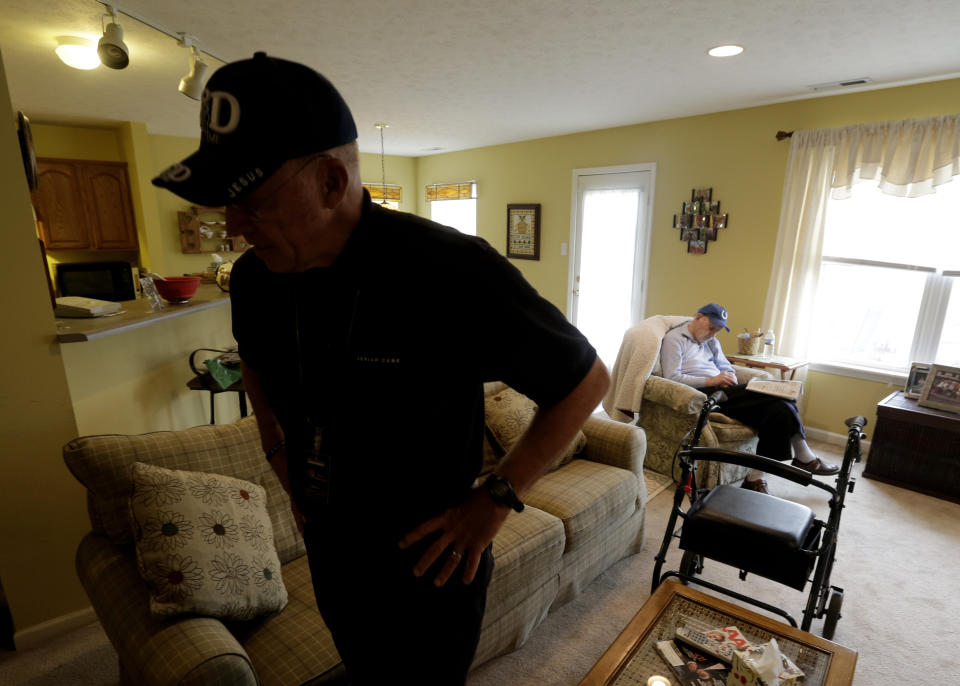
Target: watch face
[498, 488]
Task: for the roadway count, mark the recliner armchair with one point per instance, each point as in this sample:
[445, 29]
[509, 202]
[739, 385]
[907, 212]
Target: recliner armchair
[667, 410]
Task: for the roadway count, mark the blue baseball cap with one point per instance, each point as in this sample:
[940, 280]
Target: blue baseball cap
[716, 313]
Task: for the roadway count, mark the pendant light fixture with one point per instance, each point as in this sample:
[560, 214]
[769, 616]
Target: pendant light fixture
[383, 165]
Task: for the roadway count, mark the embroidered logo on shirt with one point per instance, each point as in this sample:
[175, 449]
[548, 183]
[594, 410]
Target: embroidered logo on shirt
[378, 358]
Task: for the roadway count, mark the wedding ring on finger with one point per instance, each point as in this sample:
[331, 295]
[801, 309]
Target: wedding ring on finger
[456, 555]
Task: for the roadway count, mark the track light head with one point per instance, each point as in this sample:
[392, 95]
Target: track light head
[111, 48]
[191, 85]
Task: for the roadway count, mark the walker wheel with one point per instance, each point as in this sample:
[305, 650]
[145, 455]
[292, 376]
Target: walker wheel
[691, 564]
[833, 614]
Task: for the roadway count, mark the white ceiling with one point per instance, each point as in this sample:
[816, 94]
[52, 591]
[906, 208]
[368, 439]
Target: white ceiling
[454, 75]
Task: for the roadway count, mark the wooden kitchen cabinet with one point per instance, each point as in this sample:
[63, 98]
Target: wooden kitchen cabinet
[84, 205]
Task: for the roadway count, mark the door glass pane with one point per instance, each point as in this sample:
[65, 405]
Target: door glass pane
[866, 315]
[608, 245]
[949, 350]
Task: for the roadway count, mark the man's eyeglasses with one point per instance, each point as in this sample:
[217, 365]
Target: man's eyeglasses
[252, 210]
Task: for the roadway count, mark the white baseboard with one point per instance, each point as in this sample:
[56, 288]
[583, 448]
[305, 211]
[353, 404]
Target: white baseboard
[832, 438]
[38, 634]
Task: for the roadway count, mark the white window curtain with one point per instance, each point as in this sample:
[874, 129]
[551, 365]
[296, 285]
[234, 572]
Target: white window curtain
[907, 158]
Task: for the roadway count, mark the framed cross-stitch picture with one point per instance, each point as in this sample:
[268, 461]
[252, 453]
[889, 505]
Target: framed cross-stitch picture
[523, 231]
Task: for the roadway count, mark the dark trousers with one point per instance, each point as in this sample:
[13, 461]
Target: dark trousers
[388, 625]
[775, 420]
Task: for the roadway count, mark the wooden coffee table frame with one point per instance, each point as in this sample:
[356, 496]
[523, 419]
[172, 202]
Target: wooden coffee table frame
[840, 661]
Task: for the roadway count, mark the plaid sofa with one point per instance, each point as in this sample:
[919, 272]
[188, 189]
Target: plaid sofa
[580, 519]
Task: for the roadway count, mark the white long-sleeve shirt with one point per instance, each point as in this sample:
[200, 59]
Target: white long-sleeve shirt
[683, 359]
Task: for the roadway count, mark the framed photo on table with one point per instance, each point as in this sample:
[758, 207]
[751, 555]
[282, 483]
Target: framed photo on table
[523, 231]
[942, 388]
[916, 380]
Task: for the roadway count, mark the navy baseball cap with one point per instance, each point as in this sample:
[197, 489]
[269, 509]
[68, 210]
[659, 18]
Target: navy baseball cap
[716, 313]
[256, 114]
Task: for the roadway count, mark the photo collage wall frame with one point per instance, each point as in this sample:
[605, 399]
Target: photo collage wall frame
[699, 220]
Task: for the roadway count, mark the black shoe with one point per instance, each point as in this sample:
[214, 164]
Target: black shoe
[760, 485]
[817, 466]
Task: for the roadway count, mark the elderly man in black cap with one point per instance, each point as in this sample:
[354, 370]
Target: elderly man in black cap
[691, 354]
[365, 336]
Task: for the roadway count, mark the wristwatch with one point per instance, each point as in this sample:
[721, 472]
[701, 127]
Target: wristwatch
[501, 490]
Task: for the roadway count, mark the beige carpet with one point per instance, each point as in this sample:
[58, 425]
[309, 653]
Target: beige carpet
[899, 553]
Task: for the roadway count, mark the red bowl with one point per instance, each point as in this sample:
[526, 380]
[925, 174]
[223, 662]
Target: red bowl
[177, 289]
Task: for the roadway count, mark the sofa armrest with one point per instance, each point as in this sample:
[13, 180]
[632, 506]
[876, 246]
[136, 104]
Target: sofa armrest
[175, 650]
[674, 395]
[615, 444]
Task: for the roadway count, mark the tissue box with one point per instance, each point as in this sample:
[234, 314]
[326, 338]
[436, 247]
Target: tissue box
[763, 665]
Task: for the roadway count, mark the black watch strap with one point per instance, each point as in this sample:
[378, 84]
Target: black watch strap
[501, 490]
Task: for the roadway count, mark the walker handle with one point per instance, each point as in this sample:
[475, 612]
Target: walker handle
[858, 422]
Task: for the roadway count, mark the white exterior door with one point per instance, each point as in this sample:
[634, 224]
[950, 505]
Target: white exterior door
[610, 245]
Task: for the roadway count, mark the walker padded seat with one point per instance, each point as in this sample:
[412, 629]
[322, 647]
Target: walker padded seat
[755, 532]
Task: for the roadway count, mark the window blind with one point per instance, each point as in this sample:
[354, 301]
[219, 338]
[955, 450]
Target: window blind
[380, 192]
[452, 191]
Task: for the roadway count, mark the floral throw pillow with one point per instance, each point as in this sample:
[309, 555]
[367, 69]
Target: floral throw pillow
[508, 414]
[205, 544]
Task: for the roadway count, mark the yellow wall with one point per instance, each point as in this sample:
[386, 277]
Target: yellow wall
[42, 511]
[77, 142]
[167, 150]
[737, 155]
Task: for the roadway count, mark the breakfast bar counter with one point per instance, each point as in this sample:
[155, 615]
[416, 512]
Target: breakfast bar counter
[135, 314]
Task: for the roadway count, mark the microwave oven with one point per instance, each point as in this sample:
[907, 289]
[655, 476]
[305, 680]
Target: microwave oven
[100, 280]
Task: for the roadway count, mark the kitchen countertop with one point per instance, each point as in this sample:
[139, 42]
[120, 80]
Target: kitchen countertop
[136, 313]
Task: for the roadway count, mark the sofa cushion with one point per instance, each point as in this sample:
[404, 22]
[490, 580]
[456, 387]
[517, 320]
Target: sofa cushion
[587, 497]
[103, 463]
[526, 553]
[508, 414]
[294, 646]
[204, 544]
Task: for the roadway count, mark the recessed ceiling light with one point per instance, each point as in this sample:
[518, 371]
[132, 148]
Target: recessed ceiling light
[76, 52]
[725, 51]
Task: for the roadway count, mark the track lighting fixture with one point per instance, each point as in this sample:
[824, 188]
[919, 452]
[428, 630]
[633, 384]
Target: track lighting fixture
[191, 84]
[111, 48]
[83, 53]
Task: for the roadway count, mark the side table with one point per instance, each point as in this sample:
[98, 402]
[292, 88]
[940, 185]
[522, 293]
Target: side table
[779, 362]
[916, 447]
[205, 382]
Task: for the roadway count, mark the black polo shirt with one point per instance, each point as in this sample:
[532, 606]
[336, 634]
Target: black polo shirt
[387, 350]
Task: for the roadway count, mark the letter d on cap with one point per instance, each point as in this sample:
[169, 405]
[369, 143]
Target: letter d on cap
[218, 98]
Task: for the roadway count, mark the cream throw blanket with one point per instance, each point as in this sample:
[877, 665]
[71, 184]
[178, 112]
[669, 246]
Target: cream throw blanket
[638, 356]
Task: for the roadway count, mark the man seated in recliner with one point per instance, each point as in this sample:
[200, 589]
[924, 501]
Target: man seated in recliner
[691, 355]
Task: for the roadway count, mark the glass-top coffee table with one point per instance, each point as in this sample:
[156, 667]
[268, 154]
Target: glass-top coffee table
[633, 657]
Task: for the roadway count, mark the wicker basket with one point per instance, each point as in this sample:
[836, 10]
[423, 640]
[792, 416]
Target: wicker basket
[750, 346]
